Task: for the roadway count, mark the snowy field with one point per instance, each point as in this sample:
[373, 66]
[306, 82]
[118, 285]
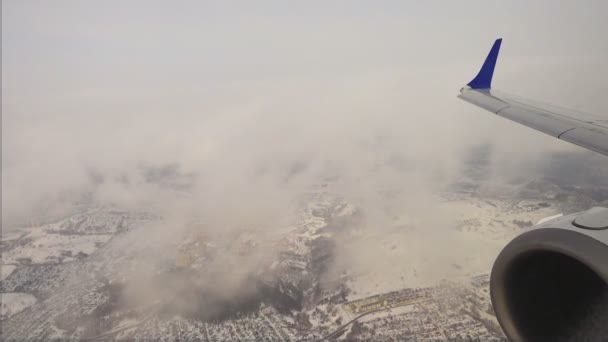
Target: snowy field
[6, 270]
[42, 247]
[414, 254]
[13, 303]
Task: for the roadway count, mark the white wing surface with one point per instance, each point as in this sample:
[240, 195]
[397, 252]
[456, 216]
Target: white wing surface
[581, 129]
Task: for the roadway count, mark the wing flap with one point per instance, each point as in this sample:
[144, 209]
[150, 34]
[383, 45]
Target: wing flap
[543, 122]
[595, 140]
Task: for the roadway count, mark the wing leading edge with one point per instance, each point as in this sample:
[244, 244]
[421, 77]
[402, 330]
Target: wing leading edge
[581, 129]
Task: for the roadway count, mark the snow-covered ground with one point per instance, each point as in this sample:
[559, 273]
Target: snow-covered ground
[329, 243]
[99, 221]
[13, 303]
[71, 238]
[44, 247]
[6, 270]
[415, 254]
[498, 220]
[11, 235]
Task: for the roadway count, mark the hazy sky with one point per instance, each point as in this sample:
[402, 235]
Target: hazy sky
[238, 94]
[229, 111]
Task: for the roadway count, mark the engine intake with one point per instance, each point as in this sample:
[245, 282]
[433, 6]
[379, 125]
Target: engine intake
[551, 284]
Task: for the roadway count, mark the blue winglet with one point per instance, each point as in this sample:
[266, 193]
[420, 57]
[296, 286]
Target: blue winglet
[483, 80]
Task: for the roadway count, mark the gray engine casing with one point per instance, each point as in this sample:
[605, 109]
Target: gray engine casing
[550, 282]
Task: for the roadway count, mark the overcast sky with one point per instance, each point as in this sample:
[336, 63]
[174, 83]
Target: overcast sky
[225, 89]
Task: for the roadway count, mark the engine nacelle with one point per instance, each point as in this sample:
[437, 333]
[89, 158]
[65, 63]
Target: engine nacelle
[550, 283]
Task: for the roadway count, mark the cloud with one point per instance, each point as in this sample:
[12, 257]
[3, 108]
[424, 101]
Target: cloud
[231, 116]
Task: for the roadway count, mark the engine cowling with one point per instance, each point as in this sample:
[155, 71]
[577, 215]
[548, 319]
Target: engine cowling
[551, 282]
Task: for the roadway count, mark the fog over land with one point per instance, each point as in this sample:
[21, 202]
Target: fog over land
[229, 115]
[215, 104]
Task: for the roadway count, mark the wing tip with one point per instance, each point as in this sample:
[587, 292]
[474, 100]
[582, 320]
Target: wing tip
[483, 80]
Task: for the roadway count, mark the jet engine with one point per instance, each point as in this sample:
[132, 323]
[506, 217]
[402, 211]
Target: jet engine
[550, 283]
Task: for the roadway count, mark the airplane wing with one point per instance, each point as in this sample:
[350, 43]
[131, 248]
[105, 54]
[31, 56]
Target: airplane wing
[578, 128]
